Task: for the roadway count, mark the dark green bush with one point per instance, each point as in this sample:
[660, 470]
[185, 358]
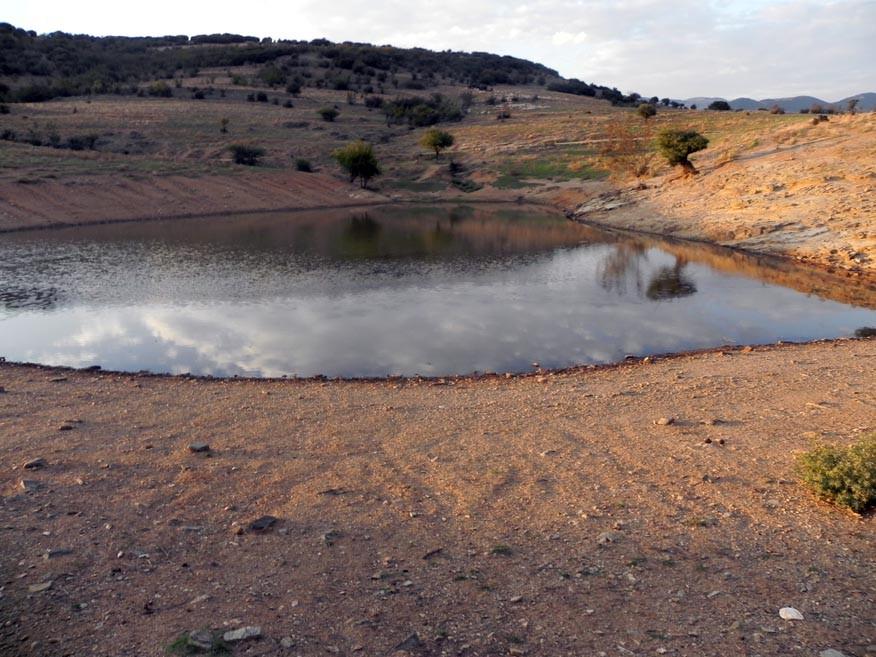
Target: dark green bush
[719, 105]
[247, 155]
[646, 110]
[82, 142]
[160, 89]
[328, 114]
[303, 165]
[358, 160]
[845, 476]
[676, 145]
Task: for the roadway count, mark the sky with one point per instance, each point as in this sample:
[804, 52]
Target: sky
[679, 49]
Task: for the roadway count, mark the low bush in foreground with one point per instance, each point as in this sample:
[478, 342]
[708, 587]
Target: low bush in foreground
[845, 476]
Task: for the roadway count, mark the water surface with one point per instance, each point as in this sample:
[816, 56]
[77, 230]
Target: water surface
[392, 291]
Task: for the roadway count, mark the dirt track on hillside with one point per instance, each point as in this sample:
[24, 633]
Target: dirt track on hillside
[544, 515]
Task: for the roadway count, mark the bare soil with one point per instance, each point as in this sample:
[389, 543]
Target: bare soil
[804, 191]
[541, 515]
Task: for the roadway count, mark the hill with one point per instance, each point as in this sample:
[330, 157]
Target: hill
[35, 67]
[866, 102]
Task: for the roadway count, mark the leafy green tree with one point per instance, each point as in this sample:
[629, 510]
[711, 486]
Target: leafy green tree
[646, 110]
[676, 145]
[436, 140]
[359, 161]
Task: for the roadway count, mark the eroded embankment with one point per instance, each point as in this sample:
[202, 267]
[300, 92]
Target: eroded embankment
[104, 199]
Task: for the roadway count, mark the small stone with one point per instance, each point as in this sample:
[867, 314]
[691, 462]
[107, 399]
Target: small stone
[30, 485]
[65, 427]
[262, 524]
[747, 349]
[830, 652]
[708, 441]
[35, 464]
[252, 632]
[200, 640]
[58, 379]
[789, 613]
[411, 644]
[516, 599]
[56, 552]
[287, 642]
[664, 421]
[199, 447]
[607, 538]
[42, 586]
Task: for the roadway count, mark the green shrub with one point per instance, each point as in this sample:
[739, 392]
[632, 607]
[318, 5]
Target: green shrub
[676, 145]
[845, 476]
[303, 165]
[247, 155]
[436, 140]
[646, 110]
[82, 142]
[160, 89]
[358, 160]
[328, 114]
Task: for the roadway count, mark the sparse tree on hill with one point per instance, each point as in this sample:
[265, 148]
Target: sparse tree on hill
[719, 105]
[646, 110]
[359, 161]
[852, 105]
[676, 145]
[436, 140]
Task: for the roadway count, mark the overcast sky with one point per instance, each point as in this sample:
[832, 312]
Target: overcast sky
[682, 48]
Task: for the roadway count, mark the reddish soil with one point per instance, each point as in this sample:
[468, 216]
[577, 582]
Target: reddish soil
[97, 199]
[542, 515]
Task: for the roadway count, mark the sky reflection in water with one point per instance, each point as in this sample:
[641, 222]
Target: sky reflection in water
[390, 291]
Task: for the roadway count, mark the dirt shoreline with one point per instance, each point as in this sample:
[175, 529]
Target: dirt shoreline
[537, 515]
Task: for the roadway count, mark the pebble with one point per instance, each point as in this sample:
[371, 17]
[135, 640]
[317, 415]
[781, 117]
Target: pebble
[262, 524]
[664, 421]
[287, 642]
[830, 652]
[42, 586]
[240, 634]
[201, 640]
[35, 464]
[606, 538]
[199, 447]
[30, 485]
[789, 613]
[55, 553]
[65, 427]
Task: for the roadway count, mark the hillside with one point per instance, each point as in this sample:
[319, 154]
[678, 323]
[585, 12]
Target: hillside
[36, 67]
[797, 189]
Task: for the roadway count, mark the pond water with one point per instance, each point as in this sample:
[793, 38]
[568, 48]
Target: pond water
[387, 291]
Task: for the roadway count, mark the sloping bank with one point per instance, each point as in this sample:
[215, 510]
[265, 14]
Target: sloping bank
[807, 192]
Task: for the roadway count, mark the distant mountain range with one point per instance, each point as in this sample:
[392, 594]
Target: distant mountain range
[866, 102]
